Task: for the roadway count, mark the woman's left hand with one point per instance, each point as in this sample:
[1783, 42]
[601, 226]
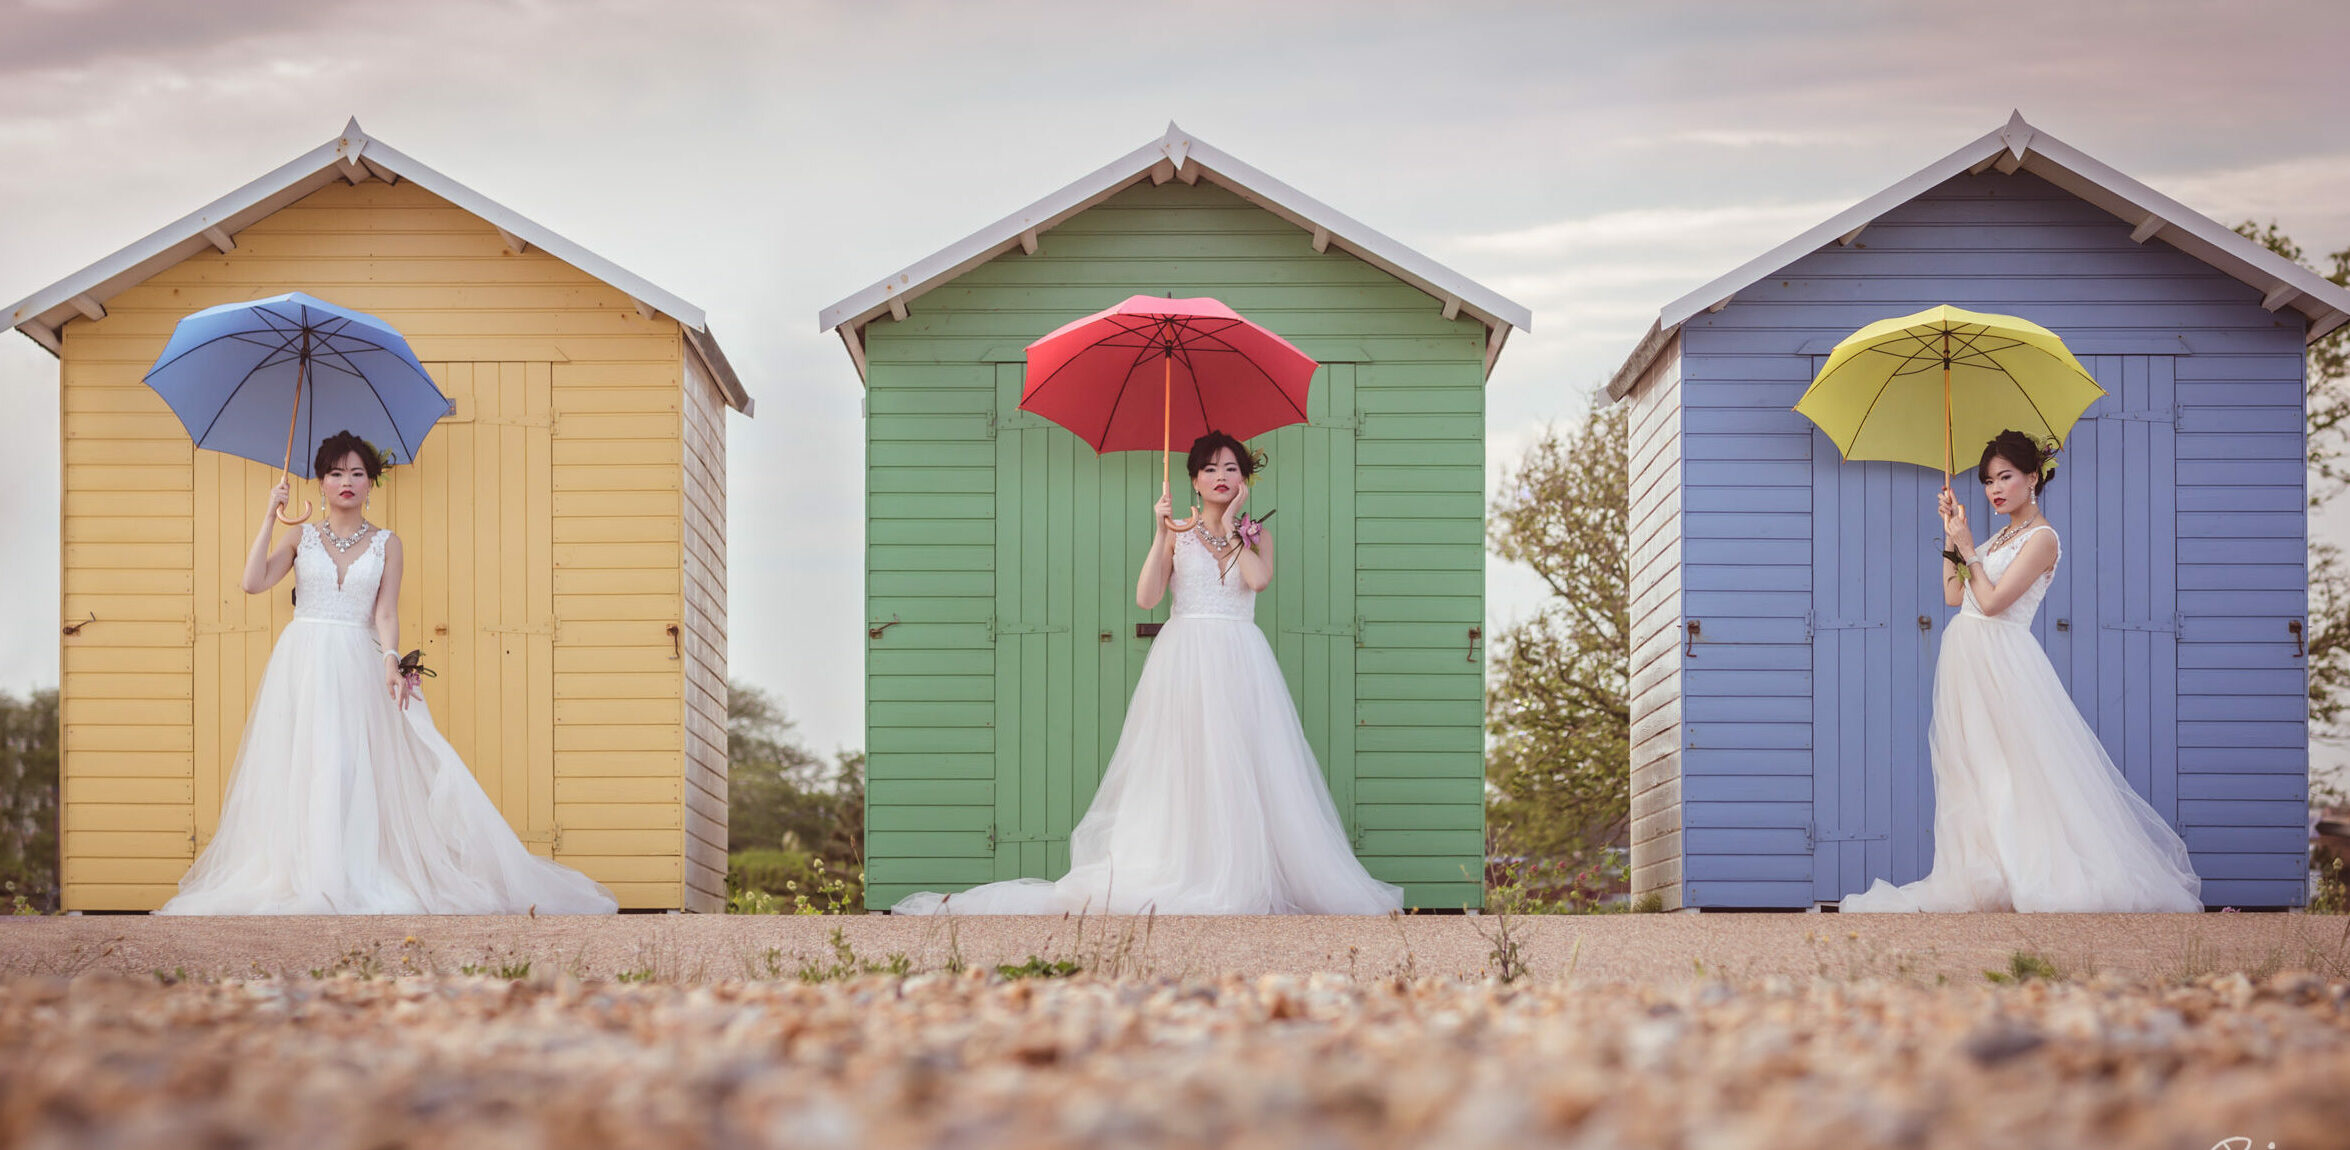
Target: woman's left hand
[396, 684]
[1232, 509]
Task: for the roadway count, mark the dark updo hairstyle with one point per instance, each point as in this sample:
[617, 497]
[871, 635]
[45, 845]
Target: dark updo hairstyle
[2030, 456]
[344, 443]
[1203, 452]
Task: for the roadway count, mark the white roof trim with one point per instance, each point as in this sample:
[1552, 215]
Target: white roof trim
[354, 156]
[2028, 148]
[1176, 155]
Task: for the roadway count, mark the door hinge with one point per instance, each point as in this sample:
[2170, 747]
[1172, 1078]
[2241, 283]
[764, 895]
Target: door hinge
[996, 627]
[2171, 624]
[994, 839]
[1812, 838]
[1812, 624]
[1017, 421]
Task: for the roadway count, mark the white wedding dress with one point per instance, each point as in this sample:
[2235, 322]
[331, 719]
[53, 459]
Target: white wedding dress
[1212, 803]
[2030, 814]
[343, 803]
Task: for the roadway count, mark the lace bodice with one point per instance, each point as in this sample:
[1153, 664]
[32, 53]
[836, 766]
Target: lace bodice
[1996, 563]
[1199, 594]
[316, 595]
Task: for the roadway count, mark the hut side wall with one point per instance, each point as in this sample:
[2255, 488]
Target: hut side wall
[2232, 528]
[1656, 500]
[542, 540]
[1002, 552]
[703, 644]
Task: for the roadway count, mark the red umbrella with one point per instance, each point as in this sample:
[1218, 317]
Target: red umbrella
[1214, 369]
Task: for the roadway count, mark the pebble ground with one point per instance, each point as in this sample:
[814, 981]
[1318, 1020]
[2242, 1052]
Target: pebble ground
[1703, 1032]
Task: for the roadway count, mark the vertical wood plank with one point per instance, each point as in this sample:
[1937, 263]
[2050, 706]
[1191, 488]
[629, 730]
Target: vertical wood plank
[2162, 564]
[539, 596]
[1012, 495]
[514, 614]
[2136, 557]
[1339, 586]
[1827, 535]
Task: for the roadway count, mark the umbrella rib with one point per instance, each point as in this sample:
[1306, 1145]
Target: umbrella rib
[226, 401]
[1227, 346]
[236, 335]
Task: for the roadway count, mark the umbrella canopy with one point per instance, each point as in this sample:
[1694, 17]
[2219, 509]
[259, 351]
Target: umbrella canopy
[271, 378]
[1154, 371]
[1911, 389]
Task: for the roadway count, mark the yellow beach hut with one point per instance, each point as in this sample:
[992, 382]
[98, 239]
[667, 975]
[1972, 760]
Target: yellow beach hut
[566, 526]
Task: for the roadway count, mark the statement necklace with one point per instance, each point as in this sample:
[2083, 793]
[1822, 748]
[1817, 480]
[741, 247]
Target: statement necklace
[1220, 548]
[343, 546]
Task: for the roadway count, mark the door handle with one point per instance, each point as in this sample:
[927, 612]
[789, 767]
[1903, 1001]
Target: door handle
[1925, 623]
[2064, 624]
[2300, 648]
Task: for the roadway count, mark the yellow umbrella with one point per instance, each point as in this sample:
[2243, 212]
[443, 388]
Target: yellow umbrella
[1911, 389]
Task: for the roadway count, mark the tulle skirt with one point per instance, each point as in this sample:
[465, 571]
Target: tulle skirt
[1211, 804]
[343, 803]
[2030, 814]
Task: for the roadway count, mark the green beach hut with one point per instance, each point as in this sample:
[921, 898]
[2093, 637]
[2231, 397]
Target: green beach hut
[1000, 552]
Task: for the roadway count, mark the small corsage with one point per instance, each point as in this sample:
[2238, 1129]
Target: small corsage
[1956, 560]
[412, 668]
[1251, 531]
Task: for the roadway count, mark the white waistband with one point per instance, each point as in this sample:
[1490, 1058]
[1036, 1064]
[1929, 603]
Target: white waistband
[1208, 615]
[332, 622]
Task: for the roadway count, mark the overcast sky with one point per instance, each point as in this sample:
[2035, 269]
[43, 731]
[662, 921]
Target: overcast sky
[765, 159]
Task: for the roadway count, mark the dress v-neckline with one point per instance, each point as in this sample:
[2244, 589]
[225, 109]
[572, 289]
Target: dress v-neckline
[342, 569]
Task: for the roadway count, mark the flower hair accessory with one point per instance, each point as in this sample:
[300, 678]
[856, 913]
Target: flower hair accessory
[2048, 452]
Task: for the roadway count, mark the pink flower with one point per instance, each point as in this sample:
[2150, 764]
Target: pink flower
[1249, 531]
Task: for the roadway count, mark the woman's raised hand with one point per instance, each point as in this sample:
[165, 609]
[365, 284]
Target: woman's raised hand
[1164, 509]
[279, 496]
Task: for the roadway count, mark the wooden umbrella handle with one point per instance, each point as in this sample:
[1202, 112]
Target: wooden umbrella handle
[303, 516]
[285, 471]
[1167, 447]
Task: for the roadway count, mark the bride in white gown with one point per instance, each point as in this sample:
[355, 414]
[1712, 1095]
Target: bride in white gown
[344, 798]
[2030, 814]
[1212, 802]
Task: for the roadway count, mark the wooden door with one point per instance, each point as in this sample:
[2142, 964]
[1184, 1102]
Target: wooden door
[1069, 643]
[1876, 614]
[474, 513]
[2108, 623]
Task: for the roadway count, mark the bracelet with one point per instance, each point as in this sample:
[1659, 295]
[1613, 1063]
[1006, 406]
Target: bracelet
[394, 656]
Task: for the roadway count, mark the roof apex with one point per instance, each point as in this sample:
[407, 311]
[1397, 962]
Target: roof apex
[2019, 145]
[1176, 154]
[354, 156]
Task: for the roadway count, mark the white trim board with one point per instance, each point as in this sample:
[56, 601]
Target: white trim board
[352, 156]
[2018, 146]
[1177, 155]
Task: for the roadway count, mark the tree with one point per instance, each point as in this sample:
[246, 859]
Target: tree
[782, 796]
[2327, 404]
[28, 799]
[1558, 711]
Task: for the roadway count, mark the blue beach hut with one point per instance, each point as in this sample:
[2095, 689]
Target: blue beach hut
[1786, 606]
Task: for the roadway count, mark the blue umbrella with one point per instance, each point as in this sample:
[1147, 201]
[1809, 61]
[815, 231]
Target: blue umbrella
[233, 373]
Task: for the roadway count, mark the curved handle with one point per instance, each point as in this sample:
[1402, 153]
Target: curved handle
[302, 517]
[1177, 525]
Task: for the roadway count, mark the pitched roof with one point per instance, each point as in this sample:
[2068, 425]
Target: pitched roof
[2019, 146]
[1178, 155]
[353, 156]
